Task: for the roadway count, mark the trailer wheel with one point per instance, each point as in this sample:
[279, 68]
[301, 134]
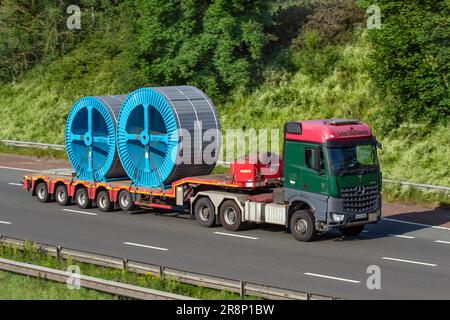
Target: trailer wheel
[204, 212]
[82, 197]
[104, 203]
[352, 231]
[42, 192]
[125, 201]
[231, 216]
[62, 196]
[302, 226]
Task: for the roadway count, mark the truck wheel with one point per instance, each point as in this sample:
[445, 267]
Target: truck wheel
[125, 202]
[62, 196]
[302, 226]
[104, 202]
[352, 231]
[231, 216]
[82, 197]
[204, 212]
[42, 192]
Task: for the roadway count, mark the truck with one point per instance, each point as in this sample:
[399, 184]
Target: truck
[328, 178]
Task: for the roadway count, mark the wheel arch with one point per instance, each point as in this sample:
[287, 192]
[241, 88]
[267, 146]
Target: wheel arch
[298, 203]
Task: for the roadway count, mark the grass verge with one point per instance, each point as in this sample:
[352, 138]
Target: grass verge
[32, 255]
[414, 196]
[35, 152]
[20, 287]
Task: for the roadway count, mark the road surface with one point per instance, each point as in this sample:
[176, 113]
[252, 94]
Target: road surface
[414, 260]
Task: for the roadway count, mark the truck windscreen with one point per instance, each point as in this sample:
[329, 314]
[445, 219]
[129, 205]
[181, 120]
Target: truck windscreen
[356, 159]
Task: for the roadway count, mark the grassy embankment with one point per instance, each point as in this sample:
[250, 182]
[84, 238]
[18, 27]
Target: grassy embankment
[35, 108]
[14, 287]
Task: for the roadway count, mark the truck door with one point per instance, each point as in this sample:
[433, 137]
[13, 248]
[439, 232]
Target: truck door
[315, 181]
[293, 163]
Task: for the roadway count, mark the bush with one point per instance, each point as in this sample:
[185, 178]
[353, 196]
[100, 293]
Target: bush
[31, 31]
[215, 46]
[314, 57]
[335, 20]
[411, 59]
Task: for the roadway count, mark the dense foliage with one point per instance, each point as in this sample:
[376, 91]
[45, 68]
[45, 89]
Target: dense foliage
[213, 45]
[411, 59]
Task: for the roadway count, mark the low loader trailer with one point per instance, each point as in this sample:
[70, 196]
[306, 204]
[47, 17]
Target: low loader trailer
[328, 178]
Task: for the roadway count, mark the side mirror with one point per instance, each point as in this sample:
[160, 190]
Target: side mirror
[316, 159]
[377, 143]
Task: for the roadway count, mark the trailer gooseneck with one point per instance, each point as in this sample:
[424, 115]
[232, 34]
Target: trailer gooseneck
[328, 178]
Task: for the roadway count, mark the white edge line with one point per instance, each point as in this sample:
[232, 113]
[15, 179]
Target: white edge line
[83, 212]
[19, 169]
[442, 241]
[145, 246]
[416, 224]
[5, 222]
[401, 236]
[14, 184]
[330, 277]
[235, 235]
[410, 261]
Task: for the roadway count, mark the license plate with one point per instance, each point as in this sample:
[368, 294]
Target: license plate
[373, 216]
[361, 216]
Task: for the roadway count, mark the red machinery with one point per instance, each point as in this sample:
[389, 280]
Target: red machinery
[256, 169]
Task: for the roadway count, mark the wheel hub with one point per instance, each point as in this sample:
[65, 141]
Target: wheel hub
[204, 213]
[301, 226]
[124, 200]
[230, 216]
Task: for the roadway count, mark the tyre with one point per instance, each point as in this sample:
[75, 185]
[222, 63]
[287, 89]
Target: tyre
[231, 216]
[42, 192]
[62, 196]
[352, 231]
[125, 201]
[104, 203]
[205, 213]
[82, 197]
[302, 226]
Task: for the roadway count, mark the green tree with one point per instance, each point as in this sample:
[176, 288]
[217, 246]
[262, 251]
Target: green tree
[411, 58]
[214, 45]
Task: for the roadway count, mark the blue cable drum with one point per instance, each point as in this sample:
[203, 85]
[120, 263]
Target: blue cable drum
[91, 138]
[153, 127]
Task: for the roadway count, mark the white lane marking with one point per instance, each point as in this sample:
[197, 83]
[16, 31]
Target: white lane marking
[411, 261]
[145, 246]
[330, 277]
[442, 241]
[18, 169]
[5, 222]
[78, 211]
[417, 224]
[14, 184]
[235, 235]
[401, 236]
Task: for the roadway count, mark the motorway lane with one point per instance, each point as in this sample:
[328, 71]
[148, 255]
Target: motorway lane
[273, 258]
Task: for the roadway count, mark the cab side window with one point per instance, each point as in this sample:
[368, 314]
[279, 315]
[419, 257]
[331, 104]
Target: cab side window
[309, 161]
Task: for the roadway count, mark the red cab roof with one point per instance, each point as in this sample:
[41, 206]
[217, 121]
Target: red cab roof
[323, 130]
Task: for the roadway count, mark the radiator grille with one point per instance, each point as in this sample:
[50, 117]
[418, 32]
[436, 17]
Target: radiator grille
[360, 199]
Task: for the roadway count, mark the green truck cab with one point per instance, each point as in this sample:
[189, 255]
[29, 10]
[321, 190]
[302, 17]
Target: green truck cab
[332, 178]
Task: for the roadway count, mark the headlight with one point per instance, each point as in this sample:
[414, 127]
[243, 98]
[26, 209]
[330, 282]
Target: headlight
[337, 217]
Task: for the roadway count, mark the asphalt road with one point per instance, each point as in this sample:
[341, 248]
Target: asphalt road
[414, 260]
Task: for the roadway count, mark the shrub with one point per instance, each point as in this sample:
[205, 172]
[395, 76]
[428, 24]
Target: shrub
[212, 45]
[411, 59]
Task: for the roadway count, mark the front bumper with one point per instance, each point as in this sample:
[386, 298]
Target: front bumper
[352, 219]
